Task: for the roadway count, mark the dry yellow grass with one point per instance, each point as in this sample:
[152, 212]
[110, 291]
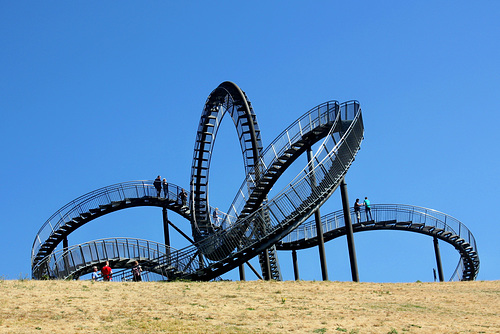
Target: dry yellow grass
[249, 307]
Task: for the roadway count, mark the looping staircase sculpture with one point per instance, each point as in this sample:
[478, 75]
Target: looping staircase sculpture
[254, 224]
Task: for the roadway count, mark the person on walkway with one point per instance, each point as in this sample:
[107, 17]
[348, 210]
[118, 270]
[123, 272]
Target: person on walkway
[357, 210]
[157, 184]
[106, 272]
[215, 217]
[183, 197]
[165, 187]
[136, 272]
[368, 209]
[95, 274]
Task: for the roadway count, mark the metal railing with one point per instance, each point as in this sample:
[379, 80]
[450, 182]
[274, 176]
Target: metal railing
[388, 213]
[324, 114]
[95, 199]
[226, 98]
[290, 207]
[66, 262]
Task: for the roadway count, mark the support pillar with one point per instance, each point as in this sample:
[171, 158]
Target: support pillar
[166, 232]
[65, 258]
[267, 266]
[295, 265]
[319, 227]
[242, 272]
[349, 231]
[438, 260]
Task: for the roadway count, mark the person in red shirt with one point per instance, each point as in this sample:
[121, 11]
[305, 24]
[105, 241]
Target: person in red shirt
[106, 272]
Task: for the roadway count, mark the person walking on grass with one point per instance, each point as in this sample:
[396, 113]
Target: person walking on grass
[95, 274]
[106, 272]
[136, 272]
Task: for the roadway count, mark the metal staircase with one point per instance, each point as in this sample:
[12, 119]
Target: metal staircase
[252, 234]
[96, 204]
[395, 217]
[227, 98]
[254, 225]
[79, 259]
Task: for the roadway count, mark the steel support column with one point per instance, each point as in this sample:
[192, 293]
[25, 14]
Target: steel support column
[349, 231]
[438, 260]
[295, 265]
[267, 266]
[319, 226]
[166, 232]
[242, 272]
[65, 256]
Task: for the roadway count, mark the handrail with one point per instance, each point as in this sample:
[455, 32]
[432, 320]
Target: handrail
[226, 98]
[325, 113]
[102, 196]
[385, 213]
[66, 262]
[287, 209]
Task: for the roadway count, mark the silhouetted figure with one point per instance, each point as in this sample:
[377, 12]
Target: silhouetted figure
[157, 184]
[183, 197]
[165, 188]
[368, 209]
[215, 217]
[357, 210]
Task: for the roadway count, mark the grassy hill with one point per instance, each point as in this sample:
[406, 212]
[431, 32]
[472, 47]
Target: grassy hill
[28, 306]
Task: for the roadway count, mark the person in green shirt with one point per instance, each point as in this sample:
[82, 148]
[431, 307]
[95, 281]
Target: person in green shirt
[368, 208]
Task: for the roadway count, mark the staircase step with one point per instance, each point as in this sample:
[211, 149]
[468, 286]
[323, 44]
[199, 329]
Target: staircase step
[78, 219]
[438, 231]
[428, 228]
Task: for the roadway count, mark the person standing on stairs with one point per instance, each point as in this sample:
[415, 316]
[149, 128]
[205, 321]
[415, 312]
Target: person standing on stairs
[157, 184]
[357, 210]
[165, 187]
[368, 209]
[183, 197]
[215, 217]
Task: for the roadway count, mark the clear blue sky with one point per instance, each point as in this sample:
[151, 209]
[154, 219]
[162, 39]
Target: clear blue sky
[94, 93]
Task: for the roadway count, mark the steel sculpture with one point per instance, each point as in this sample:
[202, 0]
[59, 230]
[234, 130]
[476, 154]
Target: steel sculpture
[254, 225]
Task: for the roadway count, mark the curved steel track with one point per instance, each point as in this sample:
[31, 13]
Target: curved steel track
[254, 224]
